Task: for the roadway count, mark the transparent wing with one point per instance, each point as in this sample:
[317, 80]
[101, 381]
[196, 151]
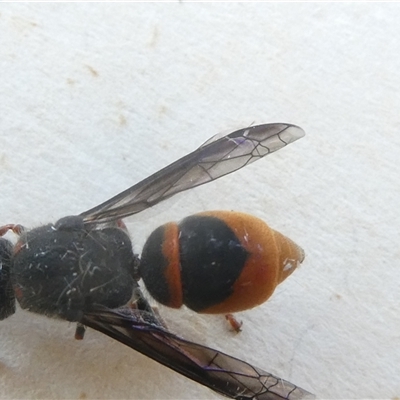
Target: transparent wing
[220, 372]
[216, 158]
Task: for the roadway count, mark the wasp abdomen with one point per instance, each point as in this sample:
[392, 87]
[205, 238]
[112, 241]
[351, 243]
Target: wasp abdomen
[217, 262]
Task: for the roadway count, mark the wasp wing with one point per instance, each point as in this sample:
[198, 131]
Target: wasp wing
[218, 371]
[216, 158]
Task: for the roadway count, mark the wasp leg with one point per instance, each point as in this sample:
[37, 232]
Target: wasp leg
[16, 228]
[80, 331]
[234, 323]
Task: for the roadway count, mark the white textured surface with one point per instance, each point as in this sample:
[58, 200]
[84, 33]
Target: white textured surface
[95, 97]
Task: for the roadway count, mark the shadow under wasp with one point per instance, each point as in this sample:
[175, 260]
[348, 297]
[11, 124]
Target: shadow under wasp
[82, 268]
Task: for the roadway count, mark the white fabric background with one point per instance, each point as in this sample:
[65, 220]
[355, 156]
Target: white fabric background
[95, 97]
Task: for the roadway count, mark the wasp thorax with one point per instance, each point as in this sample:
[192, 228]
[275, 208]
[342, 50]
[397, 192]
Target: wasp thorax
[62, 270]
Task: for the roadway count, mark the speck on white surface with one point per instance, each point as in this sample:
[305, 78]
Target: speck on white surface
[96, 96]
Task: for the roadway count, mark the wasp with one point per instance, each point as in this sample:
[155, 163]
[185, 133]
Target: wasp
[82, 268]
